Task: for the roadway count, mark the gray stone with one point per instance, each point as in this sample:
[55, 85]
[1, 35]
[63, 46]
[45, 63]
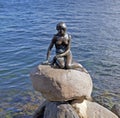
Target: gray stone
[39, 113]
[60, 84]
[116, 109]
[55, 110]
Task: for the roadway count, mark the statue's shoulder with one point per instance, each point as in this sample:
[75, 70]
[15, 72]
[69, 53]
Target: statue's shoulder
[56, 35]
[69, 36]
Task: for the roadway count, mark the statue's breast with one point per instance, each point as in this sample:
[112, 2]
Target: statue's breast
[62, 41]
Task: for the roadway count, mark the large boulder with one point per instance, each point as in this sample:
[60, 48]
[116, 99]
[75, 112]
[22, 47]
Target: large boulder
[87, 109]
[60, 84]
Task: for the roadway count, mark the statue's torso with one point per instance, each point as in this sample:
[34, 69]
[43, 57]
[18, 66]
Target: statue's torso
[61, 43]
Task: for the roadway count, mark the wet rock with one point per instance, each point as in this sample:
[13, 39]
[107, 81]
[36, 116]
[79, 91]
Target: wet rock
[87, 109]
[60, 84]
[55, 110]
[39, 113]
[116, 109]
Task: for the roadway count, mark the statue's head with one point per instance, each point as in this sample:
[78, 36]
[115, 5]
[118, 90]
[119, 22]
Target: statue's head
[61, 27]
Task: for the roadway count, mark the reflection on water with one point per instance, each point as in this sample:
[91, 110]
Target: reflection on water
[26, 28]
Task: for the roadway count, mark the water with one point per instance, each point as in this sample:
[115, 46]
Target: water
[26, 28]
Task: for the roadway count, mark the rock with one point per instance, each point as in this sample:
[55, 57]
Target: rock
[55, 110]
[60, 84]
[87, 109]
[39, 113]
[116, 109]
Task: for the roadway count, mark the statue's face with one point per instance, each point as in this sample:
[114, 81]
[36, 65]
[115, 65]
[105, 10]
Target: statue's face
[61, 28]
[61, 31]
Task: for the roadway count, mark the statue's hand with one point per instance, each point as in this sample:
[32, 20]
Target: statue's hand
[57, 56]
[45, 62]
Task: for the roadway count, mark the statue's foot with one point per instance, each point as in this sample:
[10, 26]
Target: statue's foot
[82, 69]
[79, 67]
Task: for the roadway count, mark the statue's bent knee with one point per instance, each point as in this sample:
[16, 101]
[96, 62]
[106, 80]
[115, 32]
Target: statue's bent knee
[68, 66]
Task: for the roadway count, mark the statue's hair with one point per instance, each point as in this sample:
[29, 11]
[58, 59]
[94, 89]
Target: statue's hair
[61, 25]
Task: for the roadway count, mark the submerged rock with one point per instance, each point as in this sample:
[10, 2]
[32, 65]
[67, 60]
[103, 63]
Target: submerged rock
[60, 84]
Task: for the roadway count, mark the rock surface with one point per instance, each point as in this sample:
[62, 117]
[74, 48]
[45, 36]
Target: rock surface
[55, 110]
[116, 109]
[87, 109]
[60, 84]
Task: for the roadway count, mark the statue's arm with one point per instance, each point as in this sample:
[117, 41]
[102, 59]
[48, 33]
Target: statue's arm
[50, 47]
[63, 54]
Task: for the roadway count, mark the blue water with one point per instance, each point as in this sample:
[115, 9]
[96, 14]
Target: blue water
[26, 28]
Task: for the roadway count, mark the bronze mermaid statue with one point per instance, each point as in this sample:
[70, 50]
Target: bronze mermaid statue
[62, 42]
